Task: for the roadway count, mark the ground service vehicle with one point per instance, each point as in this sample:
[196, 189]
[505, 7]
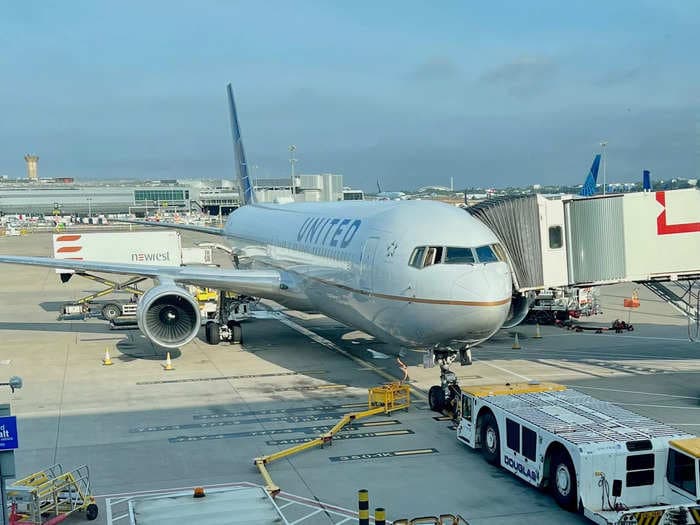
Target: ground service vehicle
[615, 466]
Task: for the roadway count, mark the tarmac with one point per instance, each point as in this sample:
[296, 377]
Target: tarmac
[141, 428]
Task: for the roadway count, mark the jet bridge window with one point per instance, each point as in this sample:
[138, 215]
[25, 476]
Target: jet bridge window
[556, 237]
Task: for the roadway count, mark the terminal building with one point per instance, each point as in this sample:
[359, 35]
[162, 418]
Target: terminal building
[47, 199]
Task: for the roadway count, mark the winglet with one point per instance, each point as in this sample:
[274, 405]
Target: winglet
[239, 152]
[588, 187]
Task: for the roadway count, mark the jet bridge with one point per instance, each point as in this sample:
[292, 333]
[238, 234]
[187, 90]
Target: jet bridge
[652, 238]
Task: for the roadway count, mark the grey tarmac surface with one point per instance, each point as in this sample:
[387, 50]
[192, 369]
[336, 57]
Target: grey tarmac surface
[140, 428]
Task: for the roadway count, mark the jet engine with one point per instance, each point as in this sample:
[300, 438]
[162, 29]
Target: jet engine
[168, 315]
[520, 306]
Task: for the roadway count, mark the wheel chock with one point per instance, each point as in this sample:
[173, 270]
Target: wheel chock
[107, 360]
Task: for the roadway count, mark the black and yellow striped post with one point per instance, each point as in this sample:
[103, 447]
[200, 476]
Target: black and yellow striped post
[380, 516]
[363, 506]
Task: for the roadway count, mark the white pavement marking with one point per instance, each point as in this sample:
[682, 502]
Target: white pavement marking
[505, 370]
[659, 406]
[631, 391]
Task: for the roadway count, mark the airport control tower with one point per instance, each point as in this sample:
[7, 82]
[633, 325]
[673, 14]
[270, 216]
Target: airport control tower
[32, 161]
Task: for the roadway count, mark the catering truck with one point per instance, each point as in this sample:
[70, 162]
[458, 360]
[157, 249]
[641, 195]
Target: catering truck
[162, 248]
[615, 466]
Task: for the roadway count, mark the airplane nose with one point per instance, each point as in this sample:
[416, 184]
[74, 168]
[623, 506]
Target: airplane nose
[483, 283]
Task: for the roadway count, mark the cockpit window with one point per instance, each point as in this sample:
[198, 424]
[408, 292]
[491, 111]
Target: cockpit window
[424, 256]
[486, 254]
[433, 256]
[459, 255]
[417, 257]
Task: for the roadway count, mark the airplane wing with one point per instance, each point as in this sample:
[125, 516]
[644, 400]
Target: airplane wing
[258, 283]
[176, 226]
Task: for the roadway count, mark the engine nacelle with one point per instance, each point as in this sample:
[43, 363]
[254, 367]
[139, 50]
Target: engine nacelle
[520, 306]
[168, 315]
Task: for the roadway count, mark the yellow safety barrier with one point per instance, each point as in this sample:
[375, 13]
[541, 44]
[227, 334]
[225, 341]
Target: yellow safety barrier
[383, 399]
[442, 519]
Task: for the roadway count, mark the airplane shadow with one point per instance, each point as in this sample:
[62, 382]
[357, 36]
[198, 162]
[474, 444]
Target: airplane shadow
[91, 328]
[136, 346]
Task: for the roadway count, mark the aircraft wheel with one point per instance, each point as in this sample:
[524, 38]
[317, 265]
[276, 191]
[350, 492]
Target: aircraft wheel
[212, 333]
[436, 398]
[236, 332]
[91, 512]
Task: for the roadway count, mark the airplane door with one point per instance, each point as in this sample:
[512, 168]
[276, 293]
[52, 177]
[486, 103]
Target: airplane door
[367, 263]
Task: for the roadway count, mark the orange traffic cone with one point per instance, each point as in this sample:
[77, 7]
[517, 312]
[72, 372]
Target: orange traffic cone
[107, 359]
[168, 363]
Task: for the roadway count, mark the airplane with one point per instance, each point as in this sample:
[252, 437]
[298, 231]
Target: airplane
[389, 195]
[588, 188]
[417, 274]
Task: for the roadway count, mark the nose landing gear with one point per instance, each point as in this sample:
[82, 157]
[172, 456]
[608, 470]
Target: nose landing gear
[445, 397]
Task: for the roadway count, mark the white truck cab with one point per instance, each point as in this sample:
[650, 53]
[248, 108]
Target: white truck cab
[616, 466]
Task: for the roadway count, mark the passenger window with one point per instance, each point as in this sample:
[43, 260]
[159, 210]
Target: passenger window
[529, 444]
[513, 435]
[467, 408]
[485, 254]
[459, 256]
[555, 237]
[417, 257]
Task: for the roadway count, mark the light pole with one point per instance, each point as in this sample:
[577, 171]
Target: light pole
[605, 183]
[292, 161]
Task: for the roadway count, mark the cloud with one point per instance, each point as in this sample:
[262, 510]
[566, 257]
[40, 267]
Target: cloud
[524, 76]
[616, 77]
[437, 68]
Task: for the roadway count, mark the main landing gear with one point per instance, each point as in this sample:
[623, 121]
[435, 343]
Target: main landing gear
[445, 396]
[232, 307]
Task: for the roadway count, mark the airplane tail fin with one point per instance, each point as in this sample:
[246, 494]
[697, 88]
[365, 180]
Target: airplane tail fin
[239, 153]
[588, 187]
[379, 187]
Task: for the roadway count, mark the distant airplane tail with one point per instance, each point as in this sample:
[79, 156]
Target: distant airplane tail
[239, 152]
[379, 187]
[588, 188]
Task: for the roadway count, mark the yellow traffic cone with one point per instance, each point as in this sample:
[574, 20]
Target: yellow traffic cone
[168, 363]
[107, 360]
[538, 335]
[516, 343]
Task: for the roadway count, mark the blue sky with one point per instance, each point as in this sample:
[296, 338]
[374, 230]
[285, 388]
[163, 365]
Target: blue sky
[490, 93]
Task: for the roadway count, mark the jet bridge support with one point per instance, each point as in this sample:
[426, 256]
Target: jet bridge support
[684, 296]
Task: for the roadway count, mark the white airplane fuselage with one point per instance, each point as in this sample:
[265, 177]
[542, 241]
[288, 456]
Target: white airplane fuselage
[350, 261]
